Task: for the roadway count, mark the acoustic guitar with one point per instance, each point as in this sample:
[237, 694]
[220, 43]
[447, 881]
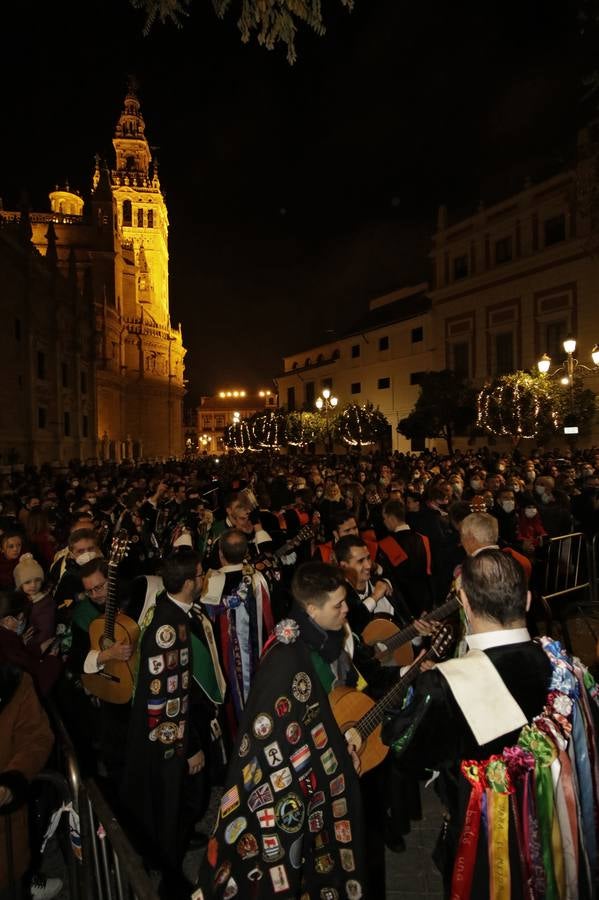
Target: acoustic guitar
[397, 649]
[114, 683]
[360, 719]
[270, 559]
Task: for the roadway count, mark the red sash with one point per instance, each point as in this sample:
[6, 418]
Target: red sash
[394, 553]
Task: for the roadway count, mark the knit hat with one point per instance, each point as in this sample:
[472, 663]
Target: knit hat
[27, 569]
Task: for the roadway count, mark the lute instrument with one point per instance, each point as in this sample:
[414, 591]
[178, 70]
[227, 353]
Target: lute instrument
[114, 683]
[360, 719]
[397, 649]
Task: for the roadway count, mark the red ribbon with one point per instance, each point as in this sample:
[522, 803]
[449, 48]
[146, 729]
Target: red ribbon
[463, 869]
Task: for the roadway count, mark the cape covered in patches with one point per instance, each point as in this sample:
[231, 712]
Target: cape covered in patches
[290, 822]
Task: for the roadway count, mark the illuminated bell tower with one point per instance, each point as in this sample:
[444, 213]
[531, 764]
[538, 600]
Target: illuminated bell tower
[142, 217]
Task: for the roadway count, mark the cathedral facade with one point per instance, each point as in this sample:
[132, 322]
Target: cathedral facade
[113, 363]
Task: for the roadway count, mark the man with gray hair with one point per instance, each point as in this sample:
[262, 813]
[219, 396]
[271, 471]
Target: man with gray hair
[480, 531]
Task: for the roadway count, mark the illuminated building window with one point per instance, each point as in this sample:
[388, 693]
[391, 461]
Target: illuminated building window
[140, 218]
[126, 212]
[150, 218]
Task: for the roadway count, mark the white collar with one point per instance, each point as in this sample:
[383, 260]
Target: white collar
[186, 607]
[401, 528]
[231, 568]
[498, 638]
[486, 547]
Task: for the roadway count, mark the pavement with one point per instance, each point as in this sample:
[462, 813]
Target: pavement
[410, 874]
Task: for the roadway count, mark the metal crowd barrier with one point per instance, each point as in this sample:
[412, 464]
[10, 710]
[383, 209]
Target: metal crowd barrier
[108, 868]
[570, 581]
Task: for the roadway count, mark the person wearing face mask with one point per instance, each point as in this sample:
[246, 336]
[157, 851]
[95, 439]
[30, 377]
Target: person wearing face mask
[65, 573]
[554, 507]
[476, 484]
[506, 514]
[31, 657]
[530, 527]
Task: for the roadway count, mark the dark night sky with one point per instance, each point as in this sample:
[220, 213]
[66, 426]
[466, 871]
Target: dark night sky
[295, 194]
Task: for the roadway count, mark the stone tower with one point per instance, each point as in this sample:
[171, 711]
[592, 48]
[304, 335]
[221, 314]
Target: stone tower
[116, 244]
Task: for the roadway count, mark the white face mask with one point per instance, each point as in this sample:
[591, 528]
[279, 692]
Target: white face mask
[530, 512]
[85, 557]
[508, 506]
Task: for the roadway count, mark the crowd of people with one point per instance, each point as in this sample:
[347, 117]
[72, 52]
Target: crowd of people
[205, 626]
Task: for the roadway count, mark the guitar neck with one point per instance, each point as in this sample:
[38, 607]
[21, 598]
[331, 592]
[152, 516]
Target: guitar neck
[406, 634]
[110, 608]
[303, 535]
[366, 725]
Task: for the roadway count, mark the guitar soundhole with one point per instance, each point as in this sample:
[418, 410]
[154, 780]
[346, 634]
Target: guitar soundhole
[105, 642]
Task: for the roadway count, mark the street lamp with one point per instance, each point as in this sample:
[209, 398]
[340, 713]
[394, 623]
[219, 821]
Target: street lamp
[327, 402]
[569, 366]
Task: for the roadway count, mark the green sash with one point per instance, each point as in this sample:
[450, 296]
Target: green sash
[85, 613]
[323, 670]
[203, 670]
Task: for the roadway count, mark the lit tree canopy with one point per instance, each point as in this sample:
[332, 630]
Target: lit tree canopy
[360, 425]
[270, 21]
[445, 407]
[305, 428]
[521, 405]
[237, 437]
[267, 430]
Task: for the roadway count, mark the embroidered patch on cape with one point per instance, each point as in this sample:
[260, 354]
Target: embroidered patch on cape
[319, 736]
[229, 801]
[244, 746]
[260, 797]
[166, 637]
[234, 829]
[262, 726]
[282, 706]
[289, 811]
[281, 779]
[156, 664]
[293, 732]
[252, 774]
[300, 759]
[301, 687]
[329, 762]
[273, 754]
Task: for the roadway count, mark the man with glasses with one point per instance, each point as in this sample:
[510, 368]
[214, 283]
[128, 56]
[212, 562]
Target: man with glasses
[100, 725]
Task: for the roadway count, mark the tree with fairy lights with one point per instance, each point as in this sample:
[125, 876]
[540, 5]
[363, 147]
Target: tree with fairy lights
[522, 405]
[237, 437]
[304, 428]
[267, 430]
[362, 425]
[444, 408]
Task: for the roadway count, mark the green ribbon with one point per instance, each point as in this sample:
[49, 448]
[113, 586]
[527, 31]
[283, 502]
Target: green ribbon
[323, 670]
[544, 752]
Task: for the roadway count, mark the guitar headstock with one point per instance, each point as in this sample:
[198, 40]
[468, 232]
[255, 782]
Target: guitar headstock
[441, 641]
[119, 548]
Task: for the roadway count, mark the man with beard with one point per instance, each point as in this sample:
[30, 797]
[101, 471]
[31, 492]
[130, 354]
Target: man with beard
[164, 790]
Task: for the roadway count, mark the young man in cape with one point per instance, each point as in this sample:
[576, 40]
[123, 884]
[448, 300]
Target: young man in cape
[290, 820]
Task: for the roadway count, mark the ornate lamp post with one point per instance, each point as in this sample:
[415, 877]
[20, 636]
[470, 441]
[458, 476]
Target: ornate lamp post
[327, 402]
[568, 368]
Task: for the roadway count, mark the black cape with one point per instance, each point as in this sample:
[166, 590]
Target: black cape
[290, 822]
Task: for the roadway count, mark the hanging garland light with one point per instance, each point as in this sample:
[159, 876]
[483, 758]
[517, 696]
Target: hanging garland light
[514, 405]
[237, 437]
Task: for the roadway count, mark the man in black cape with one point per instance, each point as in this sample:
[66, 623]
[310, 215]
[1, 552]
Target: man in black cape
[290, 820]
[164, 789]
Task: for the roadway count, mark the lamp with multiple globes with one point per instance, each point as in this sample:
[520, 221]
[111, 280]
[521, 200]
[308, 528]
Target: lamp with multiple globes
[568, 368]
[327, 402]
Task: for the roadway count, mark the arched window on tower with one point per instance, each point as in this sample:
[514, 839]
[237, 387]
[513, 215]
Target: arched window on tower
[150, 218]
[140, 218]
[126, 212]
